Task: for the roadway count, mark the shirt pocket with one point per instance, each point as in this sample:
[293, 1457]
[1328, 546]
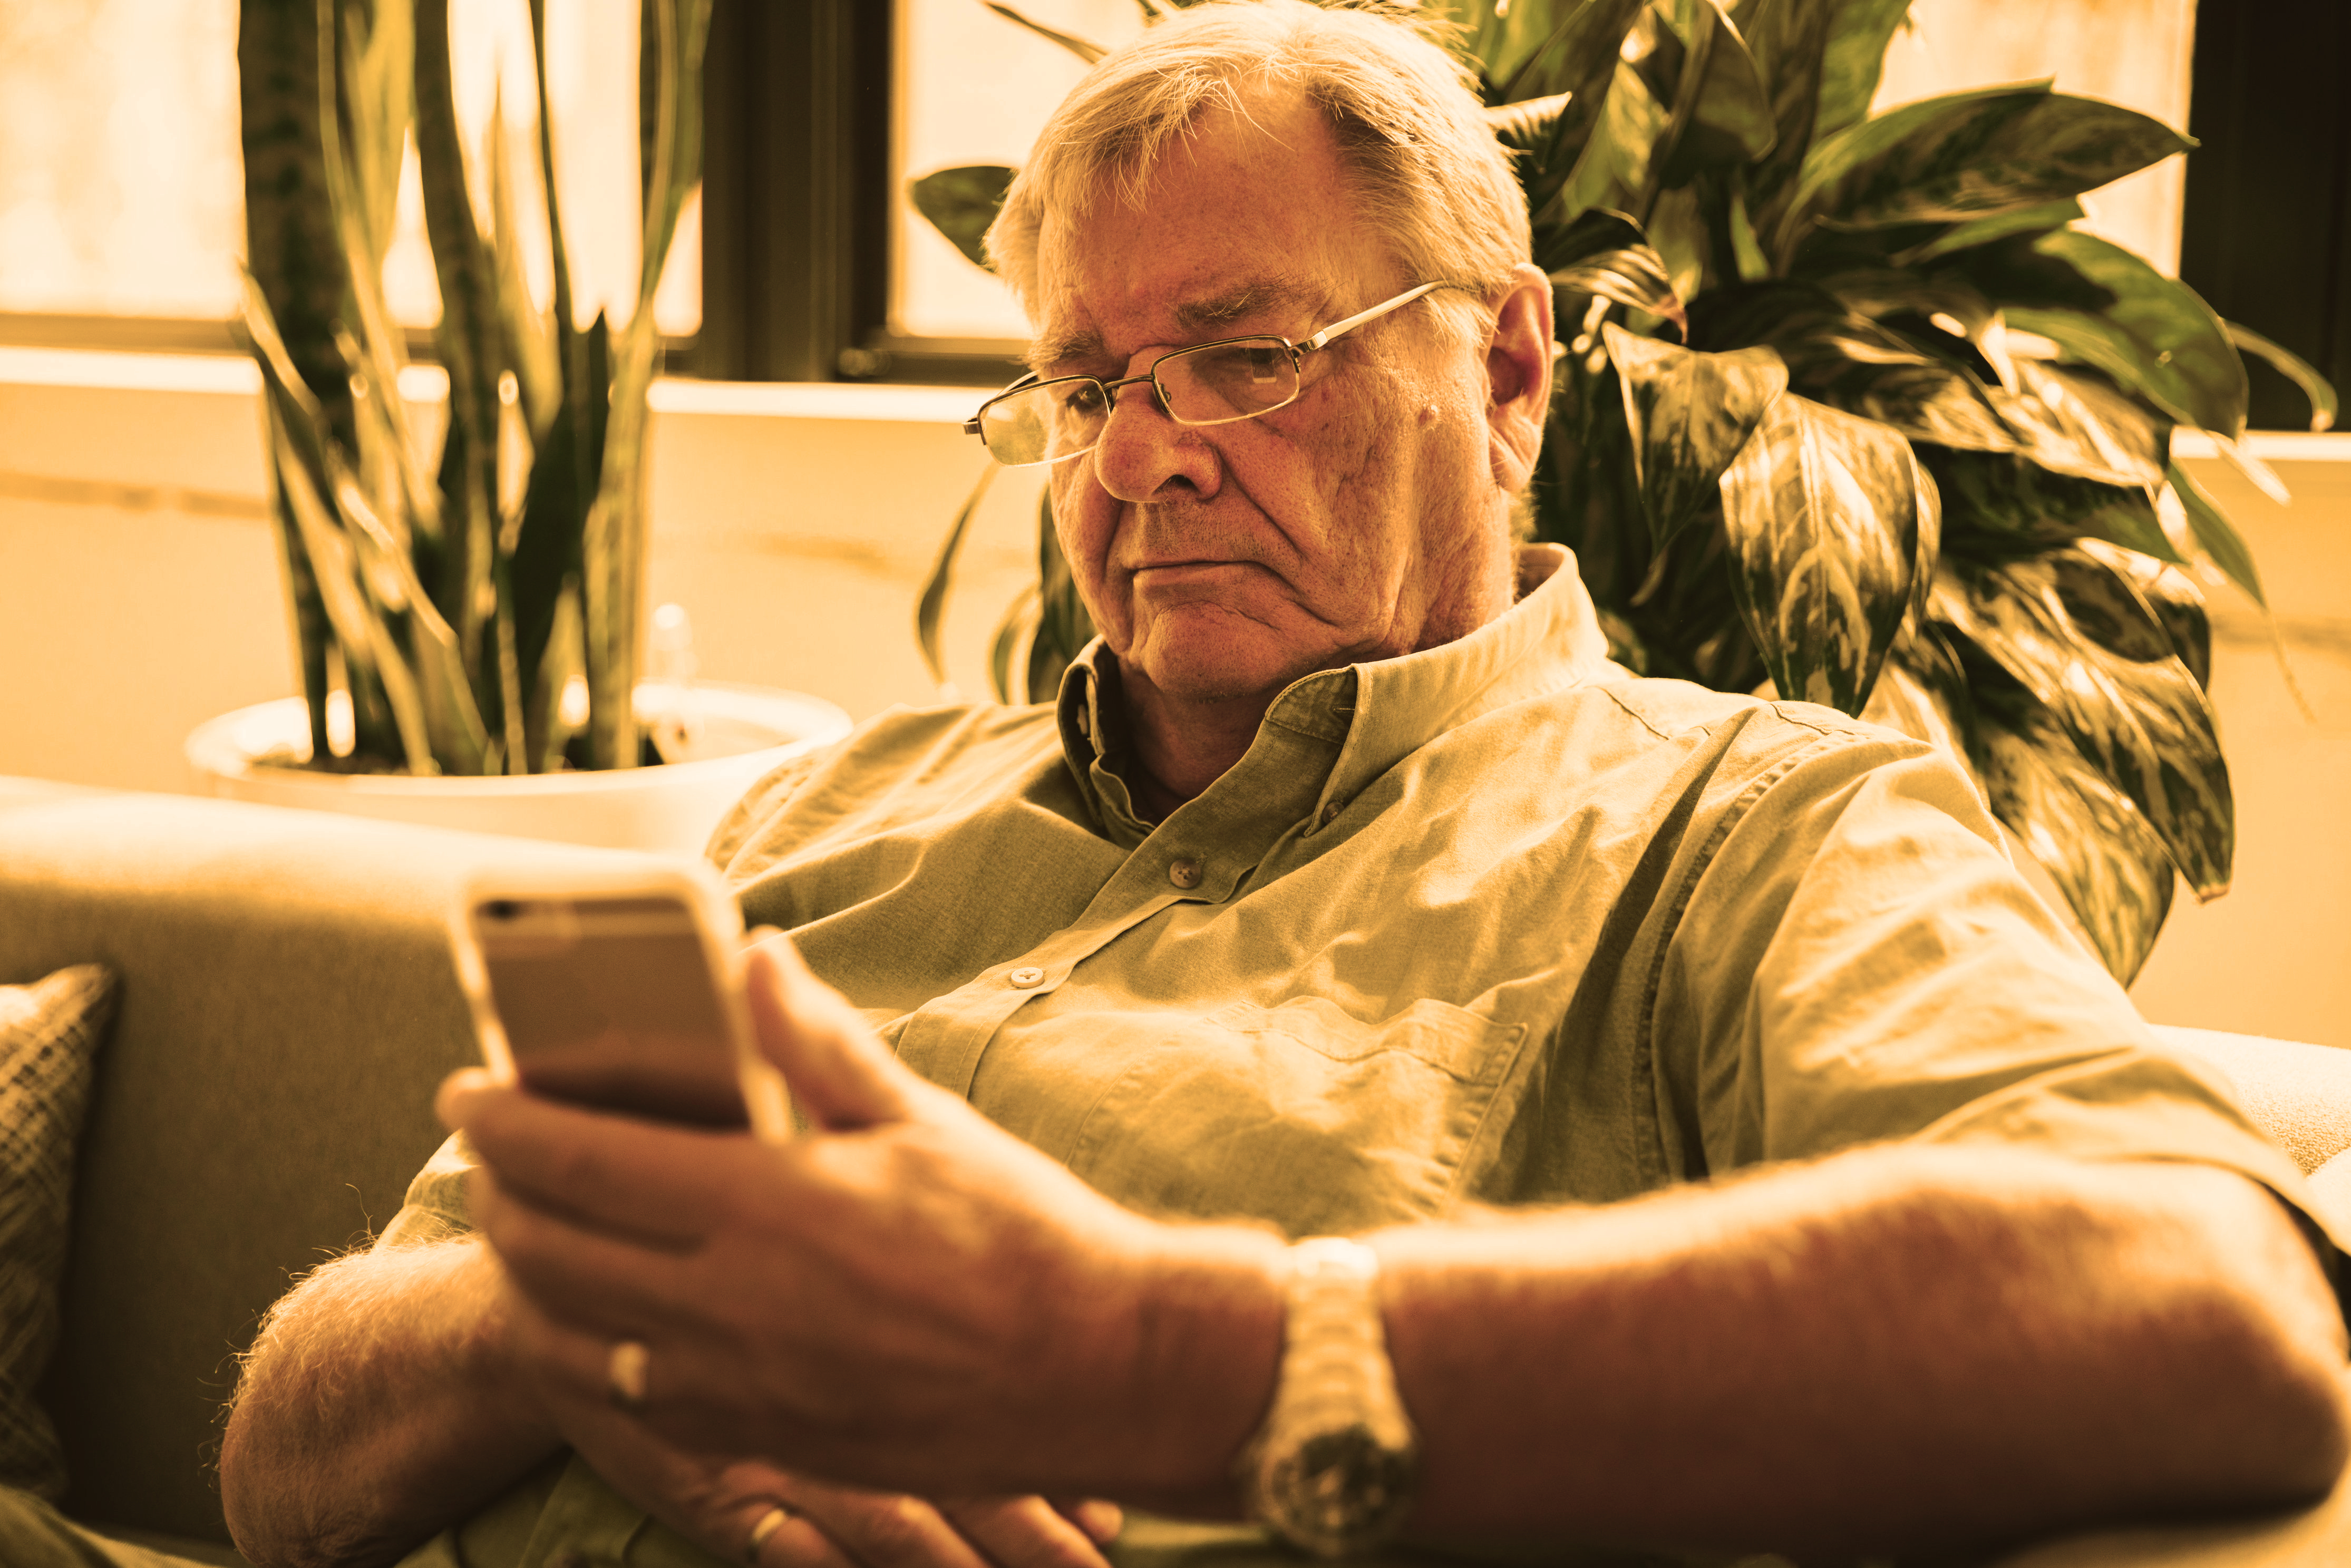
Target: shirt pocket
[1300, 1115]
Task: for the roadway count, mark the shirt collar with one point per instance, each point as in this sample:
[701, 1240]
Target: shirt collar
[1376, 713]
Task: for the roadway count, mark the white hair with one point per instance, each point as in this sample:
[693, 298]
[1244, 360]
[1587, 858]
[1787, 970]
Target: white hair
[1426, 171]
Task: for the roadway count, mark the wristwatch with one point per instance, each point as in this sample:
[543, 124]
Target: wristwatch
[1333, 1468]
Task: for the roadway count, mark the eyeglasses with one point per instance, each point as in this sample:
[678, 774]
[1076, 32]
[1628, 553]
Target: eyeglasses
[1034, 421]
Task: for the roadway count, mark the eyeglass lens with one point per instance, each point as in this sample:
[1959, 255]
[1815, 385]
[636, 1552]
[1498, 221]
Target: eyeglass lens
[1212, 384]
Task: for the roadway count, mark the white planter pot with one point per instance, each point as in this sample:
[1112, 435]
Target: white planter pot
[670, 809]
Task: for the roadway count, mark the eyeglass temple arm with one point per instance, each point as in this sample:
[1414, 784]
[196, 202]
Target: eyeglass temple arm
[1341, 328]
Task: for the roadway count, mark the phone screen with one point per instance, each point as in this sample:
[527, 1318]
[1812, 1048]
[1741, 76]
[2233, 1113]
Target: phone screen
[613, 1002]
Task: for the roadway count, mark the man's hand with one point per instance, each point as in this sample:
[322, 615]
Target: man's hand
[908, 1297]
[718, 1503]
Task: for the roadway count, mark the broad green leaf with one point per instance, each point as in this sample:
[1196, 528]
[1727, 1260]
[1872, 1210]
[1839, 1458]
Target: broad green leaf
[2174, 597]
[1998, 506]
[1576, 55]
[1841, 358]
[1618, 165]
[1968, 156]
[1689, 414]
[1527, 126]
[1789, 39]
[1635, 276]
[1858, 34]
[2295, 369]
[1723, 117]
[2110, 309]
[961, 203]
[2086, 834]
[2215, 535]
[930, 608]
[1593, 232]
[2033, 220]
[1084, 48]
[2082, 643]
[1826, 513]
[1922, 690]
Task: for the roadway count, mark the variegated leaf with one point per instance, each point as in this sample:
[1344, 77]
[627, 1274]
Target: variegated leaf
[1688, 414]
[2174, 597]
[1968, 156]
[2082, 643]
[2089, 838]
[1824, 512]
[2323, 406]
[1634, 277]
[1998, 507]
[2108, 308]
[1841, 358]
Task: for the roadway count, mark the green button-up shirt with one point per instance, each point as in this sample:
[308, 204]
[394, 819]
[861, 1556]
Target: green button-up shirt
[1495, 921]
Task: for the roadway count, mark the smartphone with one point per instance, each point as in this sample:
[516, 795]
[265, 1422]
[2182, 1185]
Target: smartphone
[620, 989]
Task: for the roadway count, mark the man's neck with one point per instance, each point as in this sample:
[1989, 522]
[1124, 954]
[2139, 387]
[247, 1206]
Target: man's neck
[1180, 746]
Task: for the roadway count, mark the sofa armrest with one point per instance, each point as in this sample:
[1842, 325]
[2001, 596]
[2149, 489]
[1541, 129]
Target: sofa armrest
[287, 1004]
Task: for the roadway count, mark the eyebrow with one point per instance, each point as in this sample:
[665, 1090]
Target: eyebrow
[1200, 318]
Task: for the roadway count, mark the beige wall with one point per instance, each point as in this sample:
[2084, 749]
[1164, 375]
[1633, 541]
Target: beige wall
[139, 596]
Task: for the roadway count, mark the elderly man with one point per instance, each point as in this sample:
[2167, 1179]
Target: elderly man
[1347, 890]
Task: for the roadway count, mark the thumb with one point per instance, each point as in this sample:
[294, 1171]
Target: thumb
[840, 1073]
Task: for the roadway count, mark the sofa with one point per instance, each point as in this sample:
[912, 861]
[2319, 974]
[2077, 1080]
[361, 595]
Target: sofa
[286, 1006]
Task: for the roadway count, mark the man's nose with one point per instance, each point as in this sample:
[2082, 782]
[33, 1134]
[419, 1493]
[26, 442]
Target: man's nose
[1143, 450]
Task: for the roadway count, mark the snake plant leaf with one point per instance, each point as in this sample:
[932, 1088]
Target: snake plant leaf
[2107, 308]
[2295, 369]
[1837, 356]
[379, 67]
[1689, 414]
[2083, 644]
[2092, 840]
[961, 203]
[1826, 513]
[1063, 626]
[1084, 48]
[524, 335]
[2215, 535]
[1967, 155]
[931, 608]
[466, 338]
[2037, 219]
[1998, 506]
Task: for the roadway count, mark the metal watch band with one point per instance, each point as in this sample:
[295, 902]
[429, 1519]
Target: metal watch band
[1333, 1468]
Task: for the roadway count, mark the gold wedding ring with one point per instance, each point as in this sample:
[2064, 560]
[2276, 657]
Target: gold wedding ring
[624, 1374]
[769, 1523]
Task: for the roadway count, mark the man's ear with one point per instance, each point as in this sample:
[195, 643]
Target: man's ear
[1518, 377]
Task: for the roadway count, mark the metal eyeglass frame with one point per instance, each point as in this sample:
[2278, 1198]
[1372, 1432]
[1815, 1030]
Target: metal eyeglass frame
[1297, 351]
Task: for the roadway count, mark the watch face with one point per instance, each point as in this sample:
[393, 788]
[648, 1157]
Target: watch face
[1341, 1490]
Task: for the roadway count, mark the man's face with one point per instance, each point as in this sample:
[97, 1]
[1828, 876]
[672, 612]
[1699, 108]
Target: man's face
[1361, 521]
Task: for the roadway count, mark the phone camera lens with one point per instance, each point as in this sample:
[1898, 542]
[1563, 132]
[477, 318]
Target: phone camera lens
[502, 909]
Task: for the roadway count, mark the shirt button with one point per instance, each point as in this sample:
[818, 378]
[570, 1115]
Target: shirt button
[1185, 874]
[1024, 978]
[1331, 812]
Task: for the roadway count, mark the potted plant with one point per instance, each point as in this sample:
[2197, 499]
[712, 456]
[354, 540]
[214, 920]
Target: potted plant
[451, 615]
[1849, 411]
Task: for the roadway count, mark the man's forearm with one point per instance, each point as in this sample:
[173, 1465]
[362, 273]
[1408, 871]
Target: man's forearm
[1899, 1346]
[1895, 1347]
[375, 1408]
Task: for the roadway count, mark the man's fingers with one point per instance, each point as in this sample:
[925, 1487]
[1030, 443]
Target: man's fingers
[602, 1284]
[648, 1180]
[1025, 1533]
[841, 1076]
[1100, 1520]
[883, 1530]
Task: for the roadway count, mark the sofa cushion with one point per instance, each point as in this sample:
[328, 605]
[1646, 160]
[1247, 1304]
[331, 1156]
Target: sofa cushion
[49, 1032]
[2299, 1094]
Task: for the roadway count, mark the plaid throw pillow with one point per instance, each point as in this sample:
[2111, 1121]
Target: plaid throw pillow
[49, 1032]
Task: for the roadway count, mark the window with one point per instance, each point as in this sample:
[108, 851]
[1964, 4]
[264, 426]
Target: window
[120, 204]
